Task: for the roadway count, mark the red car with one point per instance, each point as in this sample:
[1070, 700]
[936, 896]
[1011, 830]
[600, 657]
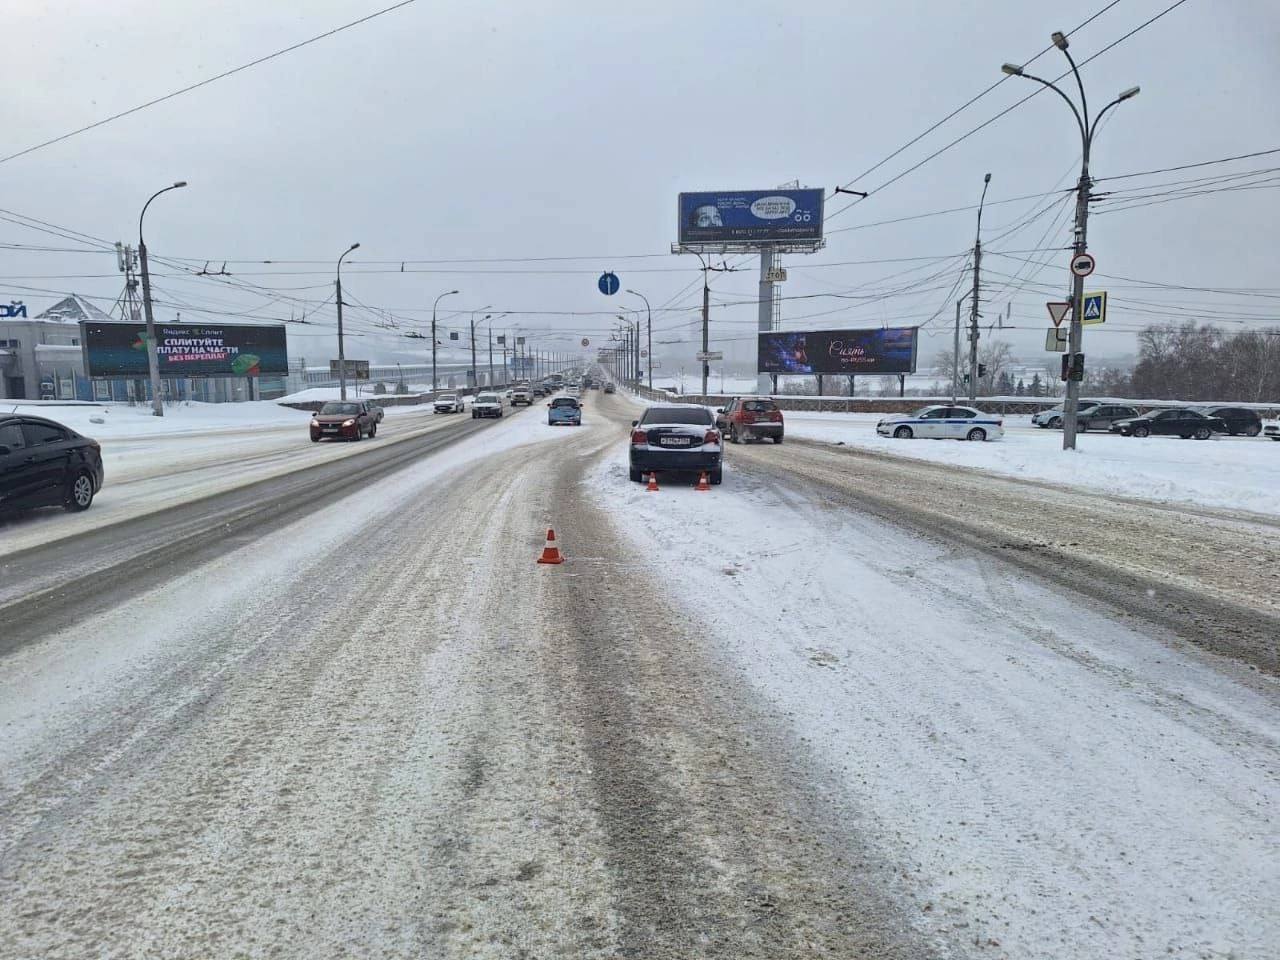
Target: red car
[749, 418]
[343, 420]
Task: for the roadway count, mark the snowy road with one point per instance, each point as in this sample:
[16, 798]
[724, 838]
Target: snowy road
[772, 721]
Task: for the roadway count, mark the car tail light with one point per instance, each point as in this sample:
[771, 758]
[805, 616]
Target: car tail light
[713, 436]
[776, 416]
[639, 438]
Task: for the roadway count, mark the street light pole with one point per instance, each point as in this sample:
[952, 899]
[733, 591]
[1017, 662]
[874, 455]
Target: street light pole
[153, 356]
[973, 307]
[447, 293]
[648, 335]
[342, 357]
[475, 373]
[1087, 131]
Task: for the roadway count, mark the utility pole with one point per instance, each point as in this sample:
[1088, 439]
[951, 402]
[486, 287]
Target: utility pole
[153, 355]
[648, 367]
[955, 358]
[491, 356]
[448, 293]
[1087, 128]
[706, 318]
[976, 300]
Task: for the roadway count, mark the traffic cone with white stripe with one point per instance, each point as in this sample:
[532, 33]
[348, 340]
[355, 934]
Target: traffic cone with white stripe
[551, 552]
[653, 482]
[704, 482]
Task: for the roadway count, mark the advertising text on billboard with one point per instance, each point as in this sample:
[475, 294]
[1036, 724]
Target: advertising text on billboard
[854, 352]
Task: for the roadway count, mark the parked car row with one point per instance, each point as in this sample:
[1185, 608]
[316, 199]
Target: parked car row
[1101, 415]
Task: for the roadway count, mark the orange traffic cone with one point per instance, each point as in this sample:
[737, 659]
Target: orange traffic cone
[551, 552]
[704, 482]
[653, 482]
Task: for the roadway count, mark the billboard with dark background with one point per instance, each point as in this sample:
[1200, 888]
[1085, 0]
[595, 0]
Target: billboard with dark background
[740, 216]
[854, 352]
[185, 350]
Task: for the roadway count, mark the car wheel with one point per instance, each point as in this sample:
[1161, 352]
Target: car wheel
[636, 475]
[1055, 423]
[903, 433]
[373, 431]
[778, 438]
[977, 433]
[80, 493]
[315, 439]
[1253, 430]
[358, 436]
[734, 437]
[716, 477]
[1141, 432]
[1083, 426]
[1202, 433]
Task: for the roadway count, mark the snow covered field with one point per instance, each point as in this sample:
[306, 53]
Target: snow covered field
[1053, 783]
[1233, 472]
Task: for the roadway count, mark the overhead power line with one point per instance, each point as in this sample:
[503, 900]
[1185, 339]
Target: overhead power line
[206, 81]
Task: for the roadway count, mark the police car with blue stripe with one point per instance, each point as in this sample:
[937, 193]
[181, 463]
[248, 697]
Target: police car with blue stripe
[943, 423]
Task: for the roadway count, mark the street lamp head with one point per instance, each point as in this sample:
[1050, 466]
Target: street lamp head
[987, 178]
[1012, 69]
[1059, 39]
[354, 246]
[180, 183]
[453, 291]
[1130, 93]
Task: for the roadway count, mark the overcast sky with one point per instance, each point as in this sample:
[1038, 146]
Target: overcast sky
[519, 131]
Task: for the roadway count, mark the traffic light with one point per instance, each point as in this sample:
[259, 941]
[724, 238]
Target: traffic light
[982, 370]
[1073, 366]
[966, 378]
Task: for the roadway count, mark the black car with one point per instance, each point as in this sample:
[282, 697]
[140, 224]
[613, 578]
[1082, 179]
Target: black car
[43, 463]
[1178, 422]
[1238, 419]
[676, 439]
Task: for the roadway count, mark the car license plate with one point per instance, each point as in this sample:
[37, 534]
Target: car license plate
[674, 441]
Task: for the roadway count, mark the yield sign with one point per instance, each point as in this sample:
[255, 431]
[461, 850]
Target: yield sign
[1058, 310]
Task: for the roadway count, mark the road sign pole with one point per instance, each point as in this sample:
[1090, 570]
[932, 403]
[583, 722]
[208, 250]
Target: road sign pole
[1071, 407]
[764, 310]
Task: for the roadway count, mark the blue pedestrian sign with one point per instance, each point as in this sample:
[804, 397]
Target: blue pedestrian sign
[1095, 308]
[609, 283]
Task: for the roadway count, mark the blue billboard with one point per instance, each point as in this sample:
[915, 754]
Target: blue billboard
[852, 352]
[750, 216]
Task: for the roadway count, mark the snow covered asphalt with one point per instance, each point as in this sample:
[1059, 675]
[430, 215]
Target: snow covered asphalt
[843, 705]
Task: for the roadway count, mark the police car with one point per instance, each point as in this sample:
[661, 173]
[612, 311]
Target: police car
[943, 423]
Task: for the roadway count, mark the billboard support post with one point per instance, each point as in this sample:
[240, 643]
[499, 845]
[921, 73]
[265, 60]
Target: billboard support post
[765, 307]
[706, 322]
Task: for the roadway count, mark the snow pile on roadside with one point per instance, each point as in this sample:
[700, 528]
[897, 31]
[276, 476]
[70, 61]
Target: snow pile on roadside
[1052, 782]
[1240, 473]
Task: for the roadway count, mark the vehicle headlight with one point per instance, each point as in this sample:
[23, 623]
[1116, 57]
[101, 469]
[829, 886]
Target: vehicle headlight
[349, 423]
[315, 423]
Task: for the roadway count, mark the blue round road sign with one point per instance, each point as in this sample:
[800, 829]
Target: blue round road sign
[609, 283]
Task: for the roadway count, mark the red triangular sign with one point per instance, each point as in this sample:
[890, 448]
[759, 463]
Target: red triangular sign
[1057, 311]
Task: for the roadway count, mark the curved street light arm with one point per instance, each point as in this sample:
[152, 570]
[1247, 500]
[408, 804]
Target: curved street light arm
[1084, 133]
[175, 186]
[1101, 113]
[1084, 101]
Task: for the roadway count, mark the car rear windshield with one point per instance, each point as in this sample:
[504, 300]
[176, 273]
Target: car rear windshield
[564, 402]
[759, 406]
[340, 408]
[657, 415]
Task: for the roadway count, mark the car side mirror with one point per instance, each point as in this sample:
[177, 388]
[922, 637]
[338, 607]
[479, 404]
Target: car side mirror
[635, 423]
[719, 409]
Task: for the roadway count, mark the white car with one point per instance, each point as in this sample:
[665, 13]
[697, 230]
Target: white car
[943, 423]
[521, 395]
[486, 405]
[450, 403]
[1272, 430]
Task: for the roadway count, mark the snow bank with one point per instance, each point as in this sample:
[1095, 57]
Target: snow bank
[1241, 473]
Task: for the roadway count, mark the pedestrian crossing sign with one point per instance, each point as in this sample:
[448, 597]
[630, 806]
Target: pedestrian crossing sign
[1095, 308]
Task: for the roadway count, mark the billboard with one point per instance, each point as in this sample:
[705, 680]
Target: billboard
[355, 369]
[853, 352]
[184, 350]
[750, 216]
